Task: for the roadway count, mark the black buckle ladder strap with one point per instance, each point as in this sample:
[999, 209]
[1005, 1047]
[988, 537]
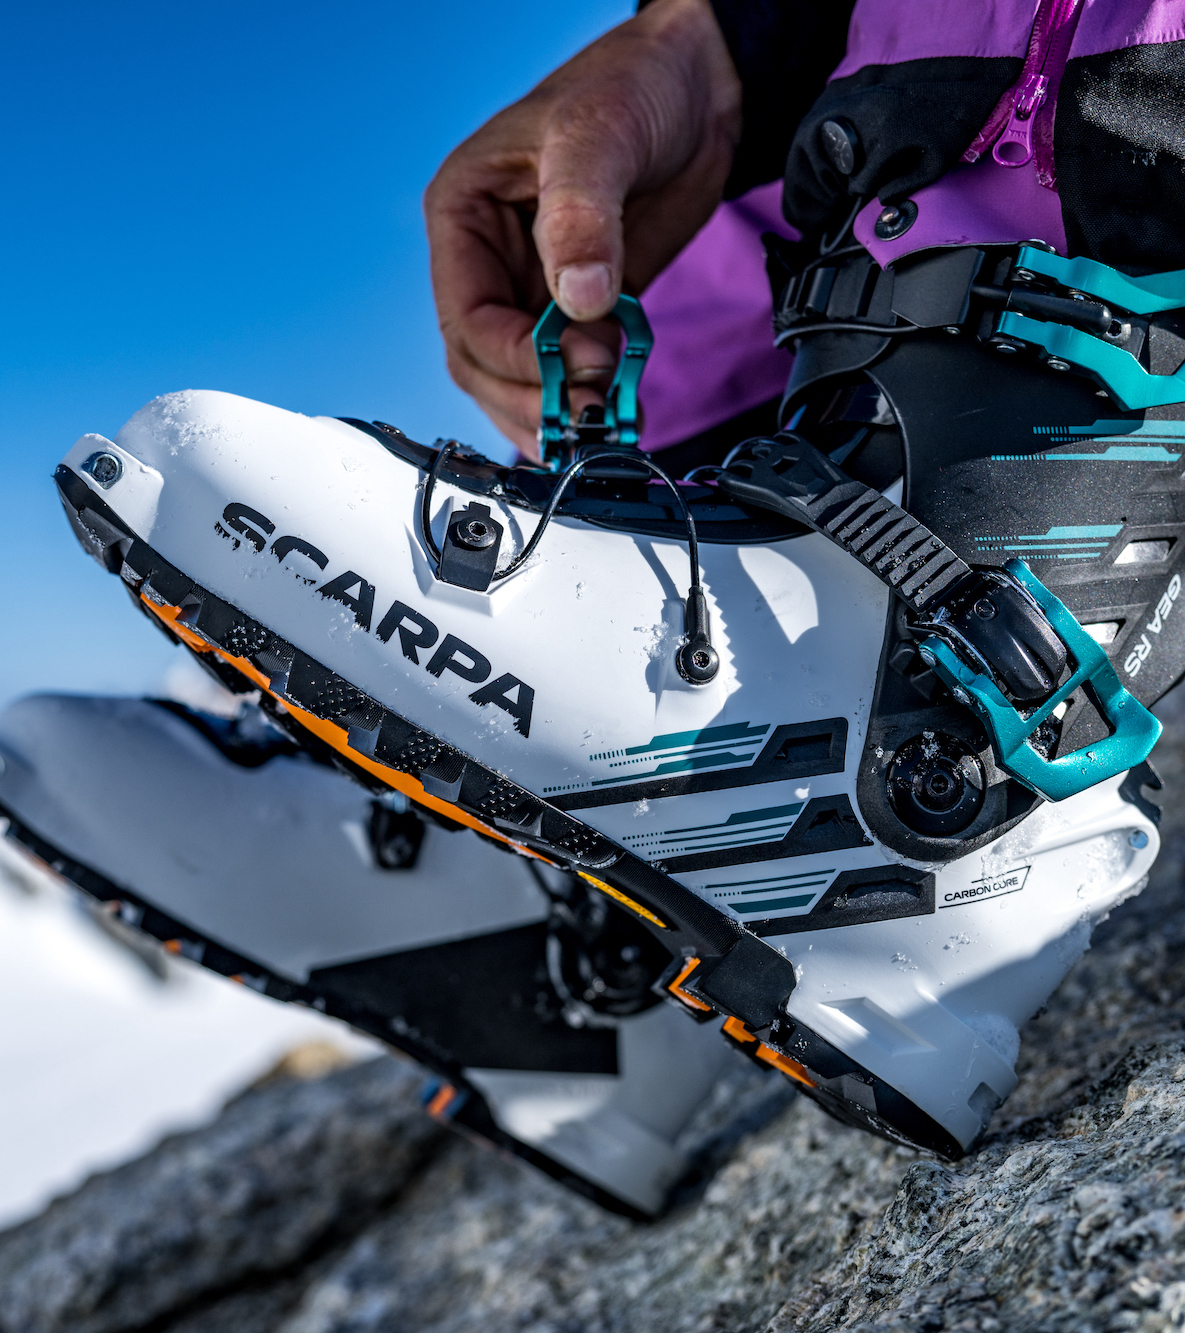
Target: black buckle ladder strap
[791, 476]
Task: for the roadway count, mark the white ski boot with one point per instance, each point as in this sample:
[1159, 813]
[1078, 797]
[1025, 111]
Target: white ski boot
[810, 759]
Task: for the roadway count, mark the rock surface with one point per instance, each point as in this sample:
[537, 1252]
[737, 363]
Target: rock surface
[283, 1172]
[335, 1207]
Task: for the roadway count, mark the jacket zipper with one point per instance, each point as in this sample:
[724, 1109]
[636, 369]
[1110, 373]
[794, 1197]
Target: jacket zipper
[1021, 124]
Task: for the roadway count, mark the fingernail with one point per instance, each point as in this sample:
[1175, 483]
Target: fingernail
[584, 290]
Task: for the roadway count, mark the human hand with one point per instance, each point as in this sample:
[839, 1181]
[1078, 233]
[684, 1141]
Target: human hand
[594, 181]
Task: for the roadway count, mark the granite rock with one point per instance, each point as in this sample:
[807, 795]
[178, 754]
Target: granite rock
[284, 1171]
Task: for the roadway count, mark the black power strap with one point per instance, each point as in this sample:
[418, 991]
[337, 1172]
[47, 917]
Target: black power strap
[791, 476]
[993, 623]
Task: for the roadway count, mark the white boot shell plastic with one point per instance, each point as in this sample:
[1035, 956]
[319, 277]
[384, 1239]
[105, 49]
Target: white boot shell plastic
[579, 703]
[932, 1004]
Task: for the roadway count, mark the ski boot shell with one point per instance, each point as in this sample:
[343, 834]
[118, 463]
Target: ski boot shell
[883, 969]
[241, 853]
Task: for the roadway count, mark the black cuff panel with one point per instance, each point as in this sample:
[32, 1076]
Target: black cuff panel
[783, 51]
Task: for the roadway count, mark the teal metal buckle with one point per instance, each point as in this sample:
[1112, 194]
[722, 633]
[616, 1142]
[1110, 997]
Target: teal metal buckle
[621, 402]
[1115, 369]
[1134, 731]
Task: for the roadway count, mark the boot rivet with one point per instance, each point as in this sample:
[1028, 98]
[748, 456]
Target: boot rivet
[895, 220]
[475, 534]
[105, 468]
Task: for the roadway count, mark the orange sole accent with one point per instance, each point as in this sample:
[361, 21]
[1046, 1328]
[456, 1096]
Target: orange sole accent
[335, 736]
[676, 989]
[624, 899]
[767, 1055]
[441, 1101]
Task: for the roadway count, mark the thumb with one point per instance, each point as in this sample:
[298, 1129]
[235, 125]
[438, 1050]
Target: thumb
[583, 180]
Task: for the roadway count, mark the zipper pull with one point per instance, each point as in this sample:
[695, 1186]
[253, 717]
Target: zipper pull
[1014, 147]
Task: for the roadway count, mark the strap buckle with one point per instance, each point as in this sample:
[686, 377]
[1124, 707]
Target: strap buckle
[1102, 358]
[1134, 731]
[619, 426]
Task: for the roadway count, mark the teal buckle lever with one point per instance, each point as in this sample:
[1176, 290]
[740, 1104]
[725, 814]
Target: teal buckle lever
[1134, 731]
[556, 432]
[1111, 366]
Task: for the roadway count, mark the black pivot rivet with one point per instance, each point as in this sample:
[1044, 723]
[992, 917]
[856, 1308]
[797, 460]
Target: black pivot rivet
[985, 609]
[895, 220]
[475, 534]
[105, 468]
[698, 662]
[841, 143]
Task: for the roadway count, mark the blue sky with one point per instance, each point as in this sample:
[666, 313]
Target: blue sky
[220, 196]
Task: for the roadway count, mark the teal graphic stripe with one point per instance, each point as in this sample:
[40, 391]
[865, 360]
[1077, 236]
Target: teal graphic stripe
[1157, 430]
[1060, 536]
[678, 766]
[1077, 530]
[734, 837]
[805, 884]
[1080, 541]
[743, 828]
[727, 837]
[772, 904]
[1117, 435]
[1115, 453]
[719, 747]
[1050, 552]
[780, 880]
[1090, 549]
[734, 732]
[711, 844]
[746, 817]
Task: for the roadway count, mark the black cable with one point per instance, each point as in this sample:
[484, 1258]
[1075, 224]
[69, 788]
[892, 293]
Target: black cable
[569, 475]
[426, 500]
[556, 496]
[826, 247]
[850, 326]
[693, 475]
[696, 660]
[831, 255]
